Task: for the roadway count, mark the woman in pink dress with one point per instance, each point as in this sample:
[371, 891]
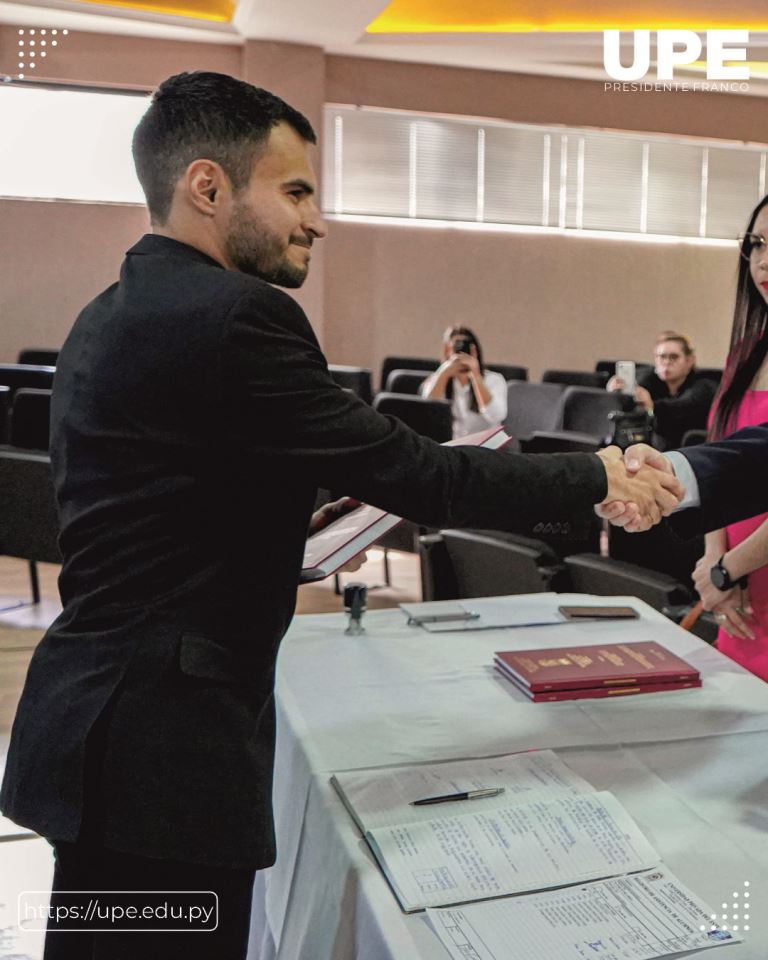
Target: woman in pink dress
[732, 576]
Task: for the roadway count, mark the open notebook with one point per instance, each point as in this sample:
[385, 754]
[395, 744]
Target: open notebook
[600, 887]
[547, 829]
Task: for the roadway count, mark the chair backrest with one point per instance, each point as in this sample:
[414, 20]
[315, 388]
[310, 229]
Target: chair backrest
[486, 564]
[405, 363]
[17, 375]
[5, 413]
[611, 578]
[532, 406]
[586, 409]
[29, 525]
[575, 378]
[693, 437]
[659, 550]
[431, 418]
[715, 374]
[559, 441]
[39, 358]
[31, 419]
[406, 381]
[509, 371]
[356, 379]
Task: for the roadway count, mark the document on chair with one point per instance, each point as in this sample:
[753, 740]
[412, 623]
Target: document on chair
[381, 798]
[639, 917]
[516, 848]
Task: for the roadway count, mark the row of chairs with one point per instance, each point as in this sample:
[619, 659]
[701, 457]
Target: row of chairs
[460, 564]
[406, 374]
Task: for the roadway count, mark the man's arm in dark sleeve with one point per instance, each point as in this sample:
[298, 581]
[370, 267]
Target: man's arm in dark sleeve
[294, 416]
[732, 476]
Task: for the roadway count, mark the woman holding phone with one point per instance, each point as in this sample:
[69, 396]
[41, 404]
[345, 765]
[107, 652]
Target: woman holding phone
[732, 576]
[478, 396]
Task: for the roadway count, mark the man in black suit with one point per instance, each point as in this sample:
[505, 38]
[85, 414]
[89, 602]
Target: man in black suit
[193, 418]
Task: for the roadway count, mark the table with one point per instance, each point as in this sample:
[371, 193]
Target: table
[689, 766]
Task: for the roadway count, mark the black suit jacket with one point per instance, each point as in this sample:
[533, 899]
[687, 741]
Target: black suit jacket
[733, 478]
[193, 418]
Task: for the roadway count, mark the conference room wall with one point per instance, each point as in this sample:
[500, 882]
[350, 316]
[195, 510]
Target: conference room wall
[538, 99]
[541, 300]
[56, 255]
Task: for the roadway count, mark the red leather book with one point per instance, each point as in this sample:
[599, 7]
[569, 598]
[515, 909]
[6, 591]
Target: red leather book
[593, 693]
[603, 665]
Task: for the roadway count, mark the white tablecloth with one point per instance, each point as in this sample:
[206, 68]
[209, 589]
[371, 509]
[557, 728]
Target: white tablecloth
[690, 766]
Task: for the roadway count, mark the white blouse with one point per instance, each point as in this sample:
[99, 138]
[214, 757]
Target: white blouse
[465, 420]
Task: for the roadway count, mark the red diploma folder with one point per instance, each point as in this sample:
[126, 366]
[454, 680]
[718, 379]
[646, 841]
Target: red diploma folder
[603, 666]
[333, 546]
[592, 693]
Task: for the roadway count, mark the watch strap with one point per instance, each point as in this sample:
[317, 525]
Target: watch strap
[725, 578]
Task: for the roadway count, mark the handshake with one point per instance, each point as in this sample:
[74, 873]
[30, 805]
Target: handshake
[642, 487]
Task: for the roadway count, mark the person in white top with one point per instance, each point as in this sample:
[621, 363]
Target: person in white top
[478, 396]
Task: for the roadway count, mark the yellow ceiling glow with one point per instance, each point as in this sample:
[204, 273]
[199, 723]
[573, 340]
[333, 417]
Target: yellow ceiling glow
[216, 11]
[564, 16]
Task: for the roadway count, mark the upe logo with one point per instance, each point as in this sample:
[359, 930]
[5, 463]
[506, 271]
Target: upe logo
[676, 48]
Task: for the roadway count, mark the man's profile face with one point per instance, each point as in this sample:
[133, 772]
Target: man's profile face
[274, 220]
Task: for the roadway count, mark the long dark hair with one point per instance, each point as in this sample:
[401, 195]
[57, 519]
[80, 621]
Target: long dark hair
[749, 343]
[472, 337]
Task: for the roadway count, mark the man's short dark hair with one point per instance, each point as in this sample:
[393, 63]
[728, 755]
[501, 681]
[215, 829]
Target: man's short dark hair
[210, 115]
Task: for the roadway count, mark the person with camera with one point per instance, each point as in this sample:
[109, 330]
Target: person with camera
[478, 396]
[673, 393]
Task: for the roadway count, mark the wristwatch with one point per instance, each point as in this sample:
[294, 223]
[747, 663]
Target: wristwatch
[721, 579]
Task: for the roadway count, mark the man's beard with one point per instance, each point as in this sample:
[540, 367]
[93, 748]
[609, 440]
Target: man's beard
[253, 249]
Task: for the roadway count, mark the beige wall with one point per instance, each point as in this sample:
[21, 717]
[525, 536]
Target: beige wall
[54, 257]
[529, 99]
[537, 300]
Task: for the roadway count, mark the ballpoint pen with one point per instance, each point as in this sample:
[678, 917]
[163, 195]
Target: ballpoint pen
[464, 795]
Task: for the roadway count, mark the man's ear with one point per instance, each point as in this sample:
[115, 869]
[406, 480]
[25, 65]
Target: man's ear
[206, 186]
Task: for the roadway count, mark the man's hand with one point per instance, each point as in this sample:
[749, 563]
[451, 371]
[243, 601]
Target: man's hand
[326, 515]
[627, 514]
[330, 512]
[638, 498]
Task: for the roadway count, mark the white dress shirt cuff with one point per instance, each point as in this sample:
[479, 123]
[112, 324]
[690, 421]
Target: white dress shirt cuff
[686, 476]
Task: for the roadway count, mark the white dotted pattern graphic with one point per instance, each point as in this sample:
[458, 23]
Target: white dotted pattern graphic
[736, 906]
[29, 40]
